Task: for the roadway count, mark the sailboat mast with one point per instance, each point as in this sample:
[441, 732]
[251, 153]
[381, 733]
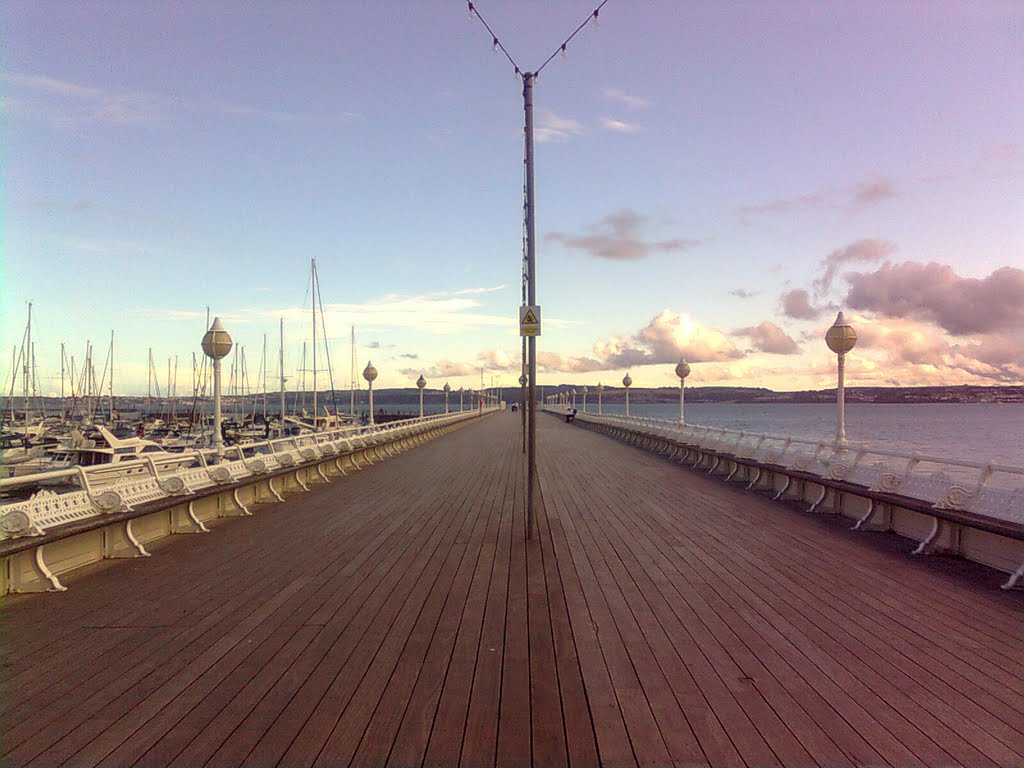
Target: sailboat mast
[313, 289]
[352, 373]
[281, 361]
[303, 399]
[174, 397]
[26, 355]
[110, 401]
[62, 381]
[263, 376]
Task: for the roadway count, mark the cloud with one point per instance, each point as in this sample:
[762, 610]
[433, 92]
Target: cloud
[911, 352]
[633, 102]
[741, 293]
[440, 370]
[550, 362]
[498, 360]
[617, 237]
[69, 104]
[934, 292]
[868, 193]
[550, 127]
[66, 104]
[863, 194]
[409, 356]
[869, 250]
[438, 313]
[797, 304]
[781, 205]
[619, 126]
[768, 337]
[664, 339]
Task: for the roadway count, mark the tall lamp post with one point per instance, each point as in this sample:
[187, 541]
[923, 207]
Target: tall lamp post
[600, 389]
[447, 389]
[682, 371]
[216, 345]
[461, 408]
[574, 399]
[841, 338]
[370, 374]
[421, 383]
[627, 382]
[584, 399]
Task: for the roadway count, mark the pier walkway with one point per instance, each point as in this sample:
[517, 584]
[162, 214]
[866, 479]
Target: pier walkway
[398, 617]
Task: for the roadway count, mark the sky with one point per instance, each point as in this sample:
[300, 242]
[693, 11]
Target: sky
[714, 180]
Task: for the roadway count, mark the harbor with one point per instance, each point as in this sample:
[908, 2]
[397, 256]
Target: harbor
[658, 617]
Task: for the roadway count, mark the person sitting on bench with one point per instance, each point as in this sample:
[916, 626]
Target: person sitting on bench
[570, 417]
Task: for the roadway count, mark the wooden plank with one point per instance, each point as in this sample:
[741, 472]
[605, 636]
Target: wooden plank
[399, 616]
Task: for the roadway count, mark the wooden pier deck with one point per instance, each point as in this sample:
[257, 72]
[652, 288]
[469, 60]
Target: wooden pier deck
[397, 617]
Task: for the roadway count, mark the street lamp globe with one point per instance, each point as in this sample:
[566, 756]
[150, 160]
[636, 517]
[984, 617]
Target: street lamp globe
[421, 383]
[370, 374]
[682, 368]
[682, 371]
[841, 337]
[217, 341]
[627, 381]
[216, 346]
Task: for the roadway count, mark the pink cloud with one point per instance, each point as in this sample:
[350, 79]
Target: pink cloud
[866, 250]
[797, 304]
[934, 292]
[768, 337]
[618, 237]
[664, 339]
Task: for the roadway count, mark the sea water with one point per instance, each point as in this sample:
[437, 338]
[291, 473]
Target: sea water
[975, 432]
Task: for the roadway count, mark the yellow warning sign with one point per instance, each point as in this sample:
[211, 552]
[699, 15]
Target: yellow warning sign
[529, 320]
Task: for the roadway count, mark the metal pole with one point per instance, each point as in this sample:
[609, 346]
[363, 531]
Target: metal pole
[841, 399]
[218, 438]
[281, 362]
[531, 299]
[682, 396]
[313, 290]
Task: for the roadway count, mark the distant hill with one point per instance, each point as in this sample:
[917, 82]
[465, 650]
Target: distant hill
[961, 394]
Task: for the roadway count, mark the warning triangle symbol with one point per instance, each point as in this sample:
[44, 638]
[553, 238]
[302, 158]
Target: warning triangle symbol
[529, 318]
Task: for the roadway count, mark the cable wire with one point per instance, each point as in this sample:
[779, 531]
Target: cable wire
[594, 16]
[494, 38]
[561, 49]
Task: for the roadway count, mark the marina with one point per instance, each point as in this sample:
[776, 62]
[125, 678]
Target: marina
[659, 616]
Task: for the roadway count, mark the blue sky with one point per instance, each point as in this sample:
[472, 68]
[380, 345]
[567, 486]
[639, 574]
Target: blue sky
[713, 179]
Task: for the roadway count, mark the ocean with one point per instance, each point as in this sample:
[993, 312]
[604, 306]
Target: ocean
[976, 432]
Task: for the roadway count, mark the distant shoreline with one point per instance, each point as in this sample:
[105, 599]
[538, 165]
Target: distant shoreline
[637, 395]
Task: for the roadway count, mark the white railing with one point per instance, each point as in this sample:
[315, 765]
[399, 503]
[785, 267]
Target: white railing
[105, 489]
[983, 488]
[975, 509]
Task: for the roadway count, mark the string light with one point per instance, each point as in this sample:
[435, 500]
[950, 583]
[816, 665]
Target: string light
[563, 49]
